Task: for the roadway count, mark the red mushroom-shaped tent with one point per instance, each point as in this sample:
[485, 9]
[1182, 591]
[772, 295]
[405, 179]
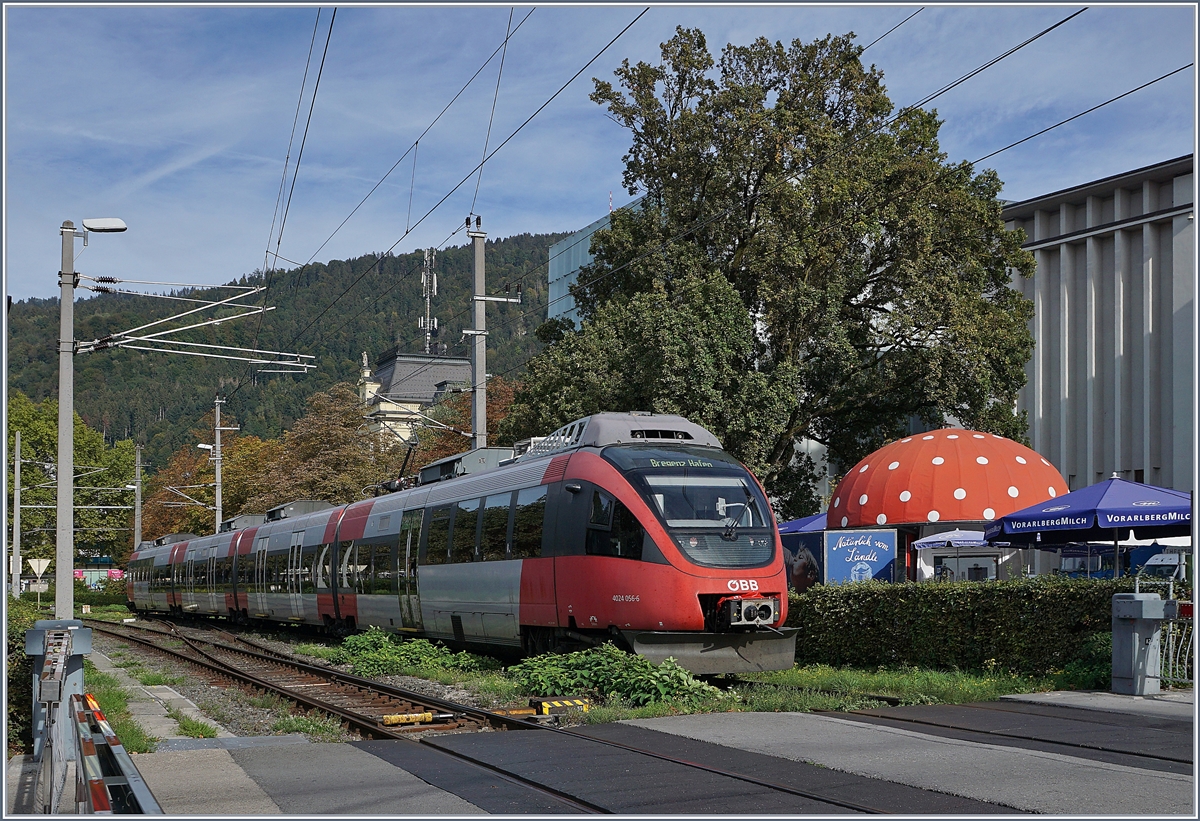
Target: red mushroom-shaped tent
[947, 475]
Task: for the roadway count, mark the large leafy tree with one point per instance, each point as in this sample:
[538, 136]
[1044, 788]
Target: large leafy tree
[329, 455]
[102, 469]
[447, 435]
[871, 275]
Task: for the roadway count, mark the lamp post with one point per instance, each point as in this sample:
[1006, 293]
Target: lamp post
[64, 552]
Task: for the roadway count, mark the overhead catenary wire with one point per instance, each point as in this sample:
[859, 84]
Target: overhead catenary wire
[893, 28]
[468, 176]
[304, 138]
[492, 116]
[552, 257]
[1082, 113]
[1005, 148]
[287, 159]
[432, 123]
[790, 178]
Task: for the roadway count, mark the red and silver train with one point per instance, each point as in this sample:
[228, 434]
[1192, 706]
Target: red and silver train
[635, 528]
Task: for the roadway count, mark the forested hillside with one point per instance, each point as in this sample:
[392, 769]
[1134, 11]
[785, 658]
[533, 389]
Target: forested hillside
[157, 399]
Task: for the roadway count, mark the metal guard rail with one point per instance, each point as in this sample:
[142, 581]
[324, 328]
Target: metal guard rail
[106, 780]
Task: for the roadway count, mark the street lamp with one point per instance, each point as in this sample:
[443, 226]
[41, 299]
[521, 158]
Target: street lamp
[68, 280]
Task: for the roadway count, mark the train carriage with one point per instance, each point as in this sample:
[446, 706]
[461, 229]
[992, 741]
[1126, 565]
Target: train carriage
[636, 528]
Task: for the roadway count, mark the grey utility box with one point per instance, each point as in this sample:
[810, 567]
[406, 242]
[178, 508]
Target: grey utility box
[52, 686]
[1136, 621]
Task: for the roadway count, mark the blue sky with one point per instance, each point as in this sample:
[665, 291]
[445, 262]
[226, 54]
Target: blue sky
[176, 119]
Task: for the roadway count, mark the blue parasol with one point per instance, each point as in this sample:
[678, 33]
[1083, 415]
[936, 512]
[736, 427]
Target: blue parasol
[807, 524]
[952, 538]
[1106, 511]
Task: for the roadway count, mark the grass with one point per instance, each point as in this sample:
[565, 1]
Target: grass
[192, 727]
[313, 724]
[320, 651]
[821, 687]
[105, 612]
[114, 703]
[266, 701]
[911, 685]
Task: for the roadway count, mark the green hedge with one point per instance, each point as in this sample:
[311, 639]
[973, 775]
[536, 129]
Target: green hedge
[1036, 625]
[21, 617]
[113, 592]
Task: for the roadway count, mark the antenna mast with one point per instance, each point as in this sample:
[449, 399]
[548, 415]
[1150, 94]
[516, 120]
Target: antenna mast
[429, 288]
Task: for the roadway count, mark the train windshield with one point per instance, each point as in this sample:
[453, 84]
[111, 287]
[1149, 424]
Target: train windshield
[709, 504]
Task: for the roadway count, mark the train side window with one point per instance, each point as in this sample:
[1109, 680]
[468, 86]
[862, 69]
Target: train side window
[308, 556]
[323, 567]
[529, 517]
[493, 539]
[466, 522]
[437, 549]
[410, 542]
[622, 538]
[602, 509]
[383, 563]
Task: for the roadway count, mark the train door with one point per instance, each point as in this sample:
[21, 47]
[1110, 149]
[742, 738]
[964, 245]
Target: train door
[294, 572]
[349, 579]
[258, 595]
[189, 582]
[213, 585]
[410, 596]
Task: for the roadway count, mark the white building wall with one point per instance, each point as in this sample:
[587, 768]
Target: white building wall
[1111, 383]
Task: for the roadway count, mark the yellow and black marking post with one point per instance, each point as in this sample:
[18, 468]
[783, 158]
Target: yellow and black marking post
[558, 706]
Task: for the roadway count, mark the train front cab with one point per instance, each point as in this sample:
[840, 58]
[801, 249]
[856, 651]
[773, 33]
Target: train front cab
[674, 548]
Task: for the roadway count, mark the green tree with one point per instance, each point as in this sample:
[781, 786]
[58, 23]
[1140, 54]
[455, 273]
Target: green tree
[99, 467]
[871, 275]
[328, 454]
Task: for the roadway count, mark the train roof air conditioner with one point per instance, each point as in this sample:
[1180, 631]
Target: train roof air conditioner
[296, 508]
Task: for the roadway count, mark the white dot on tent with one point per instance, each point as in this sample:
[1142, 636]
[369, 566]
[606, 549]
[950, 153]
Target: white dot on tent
[979, 436]
[909, 439]
[862, 500]
[893, 465]
[1053, 492]
[1013, 492]
[905, 495]
[844, 520]
[863, 469]
[1047, 464]
[937, 460]
[934, 515]
[1021, 460]
[960, 493]
[926, 437]
[981, 460]
[837, 501]
[988, 513]
[952, 436]
[881, 519]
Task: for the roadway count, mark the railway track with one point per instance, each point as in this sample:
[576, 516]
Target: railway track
[366, 706]
[373, 709]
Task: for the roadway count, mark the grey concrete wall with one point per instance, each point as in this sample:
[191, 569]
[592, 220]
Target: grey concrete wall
[1111, 386]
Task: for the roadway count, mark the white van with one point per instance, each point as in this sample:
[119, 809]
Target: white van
[1163, 567]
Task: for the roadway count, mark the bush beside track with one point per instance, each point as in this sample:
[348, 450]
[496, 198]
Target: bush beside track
[20, 617]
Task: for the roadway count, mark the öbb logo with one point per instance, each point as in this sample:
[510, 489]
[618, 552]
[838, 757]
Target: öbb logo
[744, 585]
